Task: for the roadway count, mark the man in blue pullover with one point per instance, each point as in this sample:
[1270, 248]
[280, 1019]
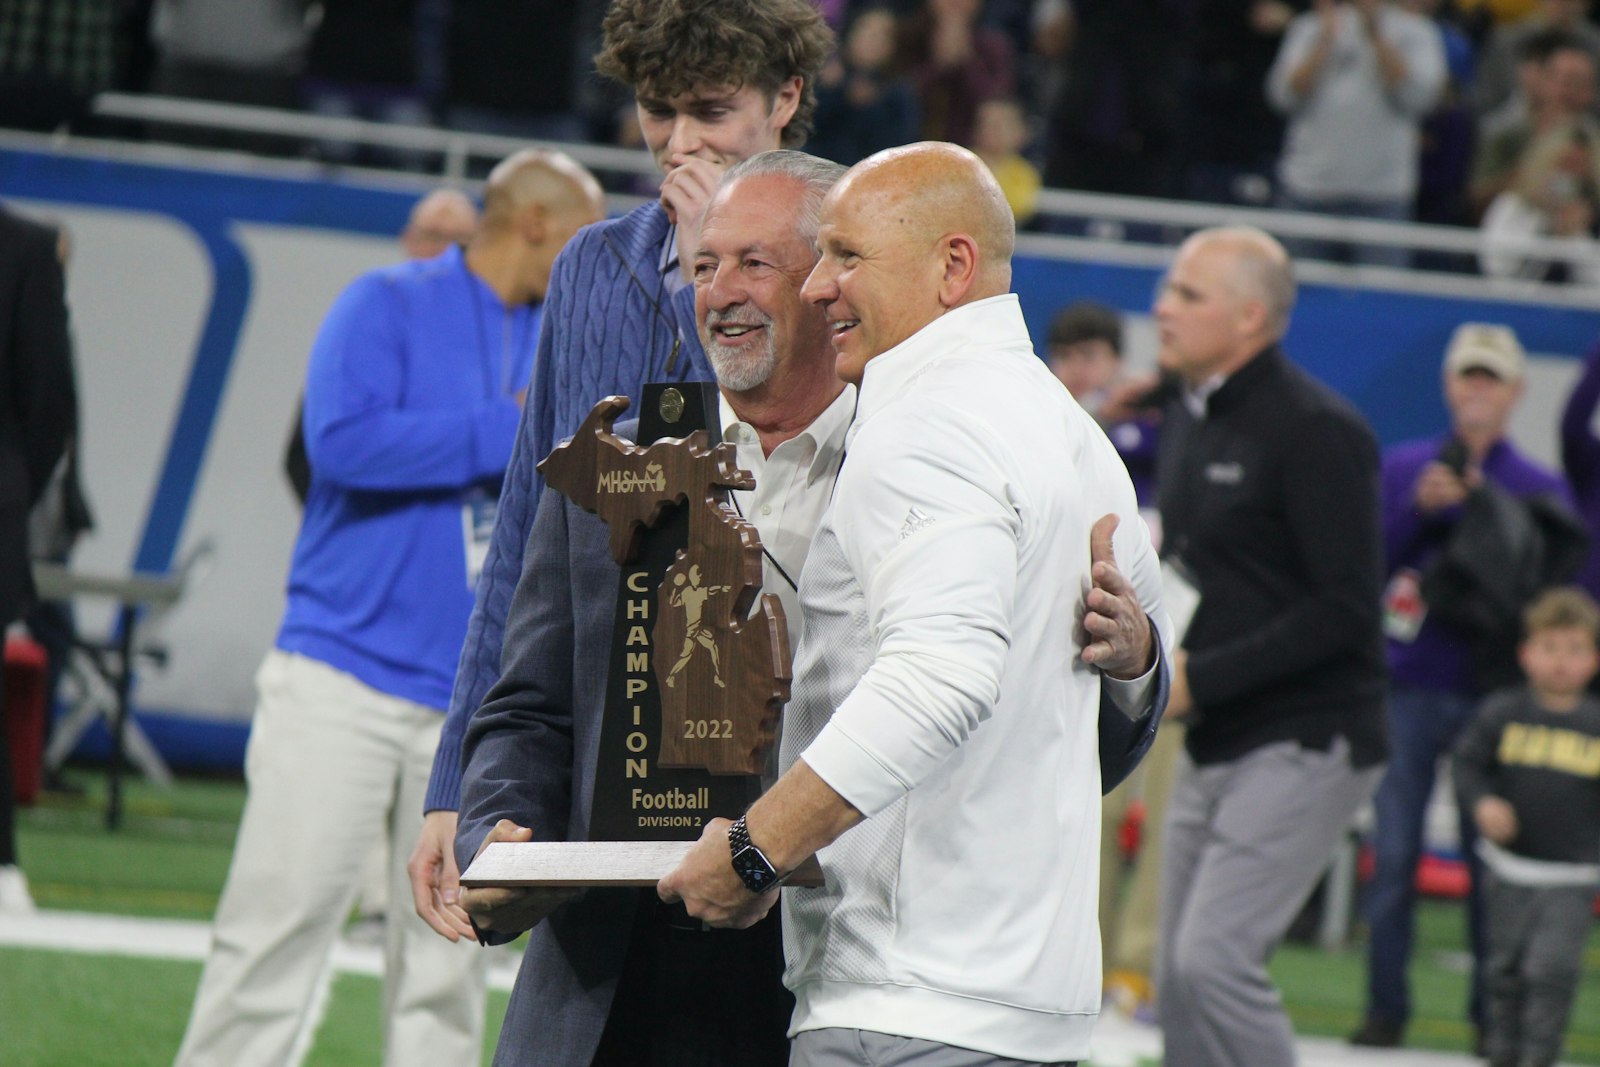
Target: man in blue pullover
[413, 398]
[716, 82]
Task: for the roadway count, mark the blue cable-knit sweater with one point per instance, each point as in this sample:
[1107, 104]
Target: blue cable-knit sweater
[609, 327]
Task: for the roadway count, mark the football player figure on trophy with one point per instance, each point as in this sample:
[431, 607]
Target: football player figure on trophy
[691, 596]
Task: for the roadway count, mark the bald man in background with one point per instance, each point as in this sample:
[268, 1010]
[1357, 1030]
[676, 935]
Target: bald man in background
[413, 397]
[443, 218]
[940, 752]
[1269, 495]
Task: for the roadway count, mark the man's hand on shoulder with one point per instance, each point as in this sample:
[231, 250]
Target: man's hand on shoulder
[511, 910]
[1118, 638]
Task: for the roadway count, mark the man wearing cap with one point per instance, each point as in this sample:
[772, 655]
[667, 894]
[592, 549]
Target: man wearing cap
[1434, 686]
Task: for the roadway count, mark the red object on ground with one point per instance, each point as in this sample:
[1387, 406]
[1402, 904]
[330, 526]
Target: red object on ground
[24, 714]
[1437, 876]
[1130, 835]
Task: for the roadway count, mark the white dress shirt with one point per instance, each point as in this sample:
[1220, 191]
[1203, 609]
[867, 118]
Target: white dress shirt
[793, 487]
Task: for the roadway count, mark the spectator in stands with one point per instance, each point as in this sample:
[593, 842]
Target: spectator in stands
[362, 62]
[1560, 92]
[1355, 80]
[1437, 669]
[35, 419]
[1085, 353]
[863, 103]
[413, 398]
[224, 50]
[53, 58]
[956, 63]
[1445, 162]
[1531, 55]
[1502, 53]
[1113, 127]
[1230, 136]
[1491, 13]
[1268, 483]
[1557, 195]
[1526, 769]
[1580, 460]
[998, 139]
[516, 67]
[1041, 64]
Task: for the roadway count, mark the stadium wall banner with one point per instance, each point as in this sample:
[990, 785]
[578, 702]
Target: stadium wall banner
[196, 290]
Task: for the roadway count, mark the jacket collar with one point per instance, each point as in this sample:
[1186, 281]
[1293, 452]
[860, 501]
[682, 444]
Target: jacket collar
[995, 322]
[1268, 364]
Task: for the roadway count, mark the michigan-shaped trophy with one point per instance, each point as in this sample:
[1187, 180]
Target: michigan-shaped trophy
[700, 662]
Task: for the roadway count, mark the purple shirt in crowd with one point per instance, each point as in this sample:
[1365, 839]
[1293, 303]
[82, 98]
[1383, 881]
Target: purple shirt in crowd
[1138, 441]
[1438, 658]
[1580, 455]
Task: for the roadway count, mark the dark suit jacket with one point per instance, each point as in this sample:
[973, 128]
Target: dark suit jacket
[37, 395]
[530, 754]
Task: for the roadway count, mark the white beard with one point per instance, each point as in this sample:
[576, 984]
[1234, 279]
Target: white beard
[738, 369]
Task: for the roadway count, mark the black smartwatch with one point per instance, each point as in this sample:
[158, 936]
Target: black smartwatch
[753, 869]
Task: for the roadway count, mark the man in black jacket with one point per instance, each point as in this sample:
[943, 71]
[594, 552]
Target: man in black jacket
[1269, 497]
[36, 412]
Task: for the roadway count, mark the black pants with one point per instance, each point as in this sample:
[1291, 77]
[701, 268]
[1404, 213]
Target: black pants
[693, 997]
[1536, 939]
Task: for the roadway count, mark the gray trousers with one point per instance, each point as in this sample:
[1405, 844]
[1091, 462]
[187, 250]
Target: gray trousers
[1246, 842]
[838, 1047]
[1536, 941]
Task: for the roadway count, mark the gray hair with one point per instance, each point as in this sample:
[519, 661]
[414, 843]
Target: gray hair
[818, 175]
[1266, 271]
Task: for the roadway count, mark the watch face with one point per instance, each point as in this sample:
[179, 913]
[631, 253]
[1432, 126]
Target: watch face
[754, 870]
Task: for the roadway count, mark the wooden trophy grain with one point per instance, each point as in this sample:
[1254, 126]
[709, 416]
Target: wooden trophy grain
[700, 662]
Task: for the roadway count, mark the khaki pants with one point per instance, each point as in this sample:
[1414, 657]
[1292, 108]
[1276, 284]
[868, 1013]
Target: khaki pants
[1130, 901]
[332, 766]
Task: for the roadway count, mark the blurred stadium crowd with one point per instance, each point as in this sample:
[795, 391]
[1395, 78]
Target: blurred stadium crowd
[1448, 111]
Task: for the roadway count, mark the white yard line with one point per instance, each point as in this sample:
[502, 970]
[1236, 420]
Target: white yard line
[98, 934]
[1118, 1042]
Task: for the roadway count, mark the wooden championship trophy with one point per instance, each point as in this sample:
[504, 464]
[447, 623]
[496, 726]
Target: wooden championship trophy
[697, 679]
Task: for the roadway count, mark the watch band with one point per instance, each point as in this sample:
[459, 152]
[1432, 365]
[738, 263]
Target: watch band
[749, 862]
[738, 836]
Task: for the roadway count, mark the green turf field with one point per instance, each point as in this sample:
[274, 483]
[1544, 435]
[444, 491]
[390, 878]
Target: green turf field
[171, 855]
[168, 861]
